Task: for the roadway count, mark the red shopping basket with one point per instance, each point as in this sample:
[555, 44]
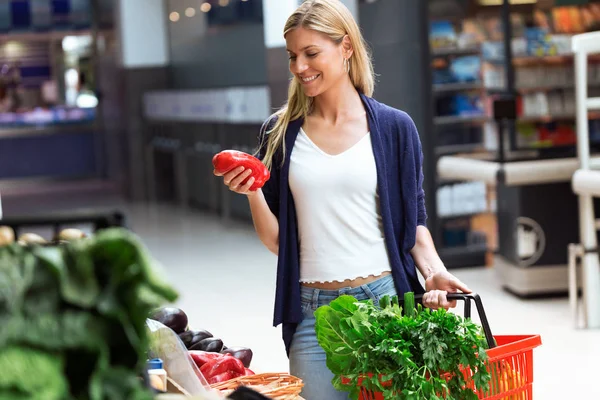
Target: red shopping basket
[510, 360]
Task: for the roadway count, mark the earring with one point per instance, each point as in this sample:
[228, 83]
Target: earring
[347, 65]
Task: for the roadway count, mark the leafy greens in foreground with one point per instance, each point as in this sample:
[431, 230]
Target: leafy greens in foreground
[73, 318]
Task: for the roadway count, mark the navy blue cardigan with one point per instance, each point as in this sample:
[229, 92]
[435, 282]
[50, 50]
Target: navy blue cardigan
[398, 159]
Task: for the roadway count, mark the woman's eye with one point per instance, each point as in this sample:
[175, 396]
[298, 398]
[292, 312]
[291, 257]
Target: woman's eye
[312, 55]
[292, 57]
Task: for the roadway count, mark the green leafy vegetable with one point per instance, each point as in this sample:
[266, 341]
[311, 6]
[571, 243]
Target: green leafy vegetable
[73, 318]
[415, 355]
[31, 374]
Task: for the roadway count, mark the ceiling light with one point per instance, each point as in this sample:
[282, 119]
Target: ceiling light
[190, 12]
[223, 3]
[205, 7]
[174, 16]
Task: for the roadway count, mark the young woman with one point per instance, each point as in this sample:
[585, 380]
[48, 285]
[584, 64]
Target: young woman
[344, 208]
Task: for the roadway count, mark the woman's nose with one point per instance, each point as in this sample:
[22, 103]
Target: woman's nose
[299, 66]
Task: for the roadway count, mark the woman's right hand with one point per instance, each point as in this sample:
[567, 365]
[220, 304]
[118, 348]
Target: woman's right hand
[234, 178]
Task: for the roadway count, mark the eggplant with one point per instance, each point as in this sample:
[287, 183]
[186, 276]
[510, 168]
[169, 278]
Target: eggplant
[186, 338]
[190, 338]
[212, 345]
[172, 317]
[243, 354]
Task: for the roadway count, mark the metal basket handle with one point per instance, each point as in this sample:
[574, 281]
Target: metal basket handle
[467, 298]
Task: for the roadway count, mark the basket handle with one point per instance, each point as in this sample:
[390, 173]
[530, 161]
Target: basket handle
[468, 298]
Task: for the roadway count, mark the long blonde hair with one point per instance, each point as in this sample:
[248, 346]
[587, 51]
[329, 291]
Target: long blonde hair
[332, 18]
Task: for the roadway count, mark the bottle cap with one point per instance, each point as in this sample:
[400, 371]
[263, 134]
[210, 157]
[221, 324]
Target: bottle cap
[155, 363]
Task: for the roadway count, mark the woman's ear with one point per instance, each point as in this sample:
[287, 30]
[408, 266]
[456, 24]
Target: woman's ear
[347, 49]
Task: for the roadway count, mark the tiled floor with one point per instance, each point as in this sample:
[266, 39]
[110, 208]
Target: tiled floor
[226, 280]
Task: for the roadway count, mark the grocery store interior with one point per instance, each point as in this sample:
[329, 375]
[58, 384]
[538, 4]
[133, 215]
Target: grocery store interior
[120, 105]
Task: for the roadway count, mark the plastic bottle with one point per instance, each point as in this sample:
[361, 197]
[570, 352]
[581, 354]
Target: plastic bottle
[157, 375]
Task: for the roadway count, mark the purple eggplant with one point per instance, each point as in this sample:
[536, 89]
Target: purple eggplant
[211, 344]
[190, 338]
[172, 317]
[243, 354]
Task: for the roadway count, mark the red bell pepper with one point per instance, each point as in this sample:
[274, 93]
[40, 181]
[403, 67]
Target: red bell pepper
[249, 372]
[228, 160]
[225, 376]
[225, 364]
[202, 357]
[207, 367]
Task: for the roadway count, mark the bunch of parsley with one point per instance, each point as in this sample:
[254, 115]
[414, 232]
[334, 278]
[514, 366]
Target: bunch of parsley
[417, 354]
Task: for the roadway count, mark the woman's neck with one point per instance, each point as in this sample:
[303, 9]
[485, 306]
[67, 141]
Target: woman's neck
[338, 103]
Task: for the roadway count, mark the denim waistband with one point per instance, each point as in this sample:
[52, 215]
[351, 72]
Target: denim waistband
[372, 289]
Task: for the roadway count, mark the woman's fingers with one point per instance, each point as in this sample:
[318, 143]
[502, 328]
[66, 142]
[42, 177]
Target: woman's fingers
[231, 175]
[236, 182]
[435, 299]
[246, 188]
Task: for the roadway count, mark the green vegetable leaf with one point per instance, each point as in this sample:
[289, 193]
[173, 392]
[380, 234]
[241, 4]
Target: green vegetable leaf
[332, 322]
[31, 374]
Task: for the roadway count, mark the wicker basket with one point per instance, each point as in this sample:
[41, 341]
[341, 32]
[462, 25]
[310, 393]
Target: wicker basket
[277, 386]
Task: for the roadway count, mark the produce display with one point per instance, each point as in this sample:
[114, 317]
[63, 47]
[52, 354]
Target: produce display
[418, 353]
[216, 362]
[81, 320]
[73, 316]
[228, 160]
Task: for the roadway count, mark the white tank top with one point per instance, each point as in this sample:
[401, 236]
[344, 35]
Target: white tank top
[337, 206]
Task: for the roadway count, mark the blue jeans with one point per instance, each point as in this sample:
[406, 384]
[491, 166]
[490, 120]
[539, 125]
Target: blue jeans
[307, 358]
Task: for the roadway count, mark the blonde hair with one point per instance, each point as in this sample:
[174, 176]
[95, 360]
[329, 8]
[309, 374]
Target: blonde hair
[332, 18]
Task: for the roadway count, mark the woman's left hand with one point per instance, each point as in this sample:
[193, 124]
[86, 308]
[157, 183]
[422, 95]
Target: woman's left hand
[438, 286]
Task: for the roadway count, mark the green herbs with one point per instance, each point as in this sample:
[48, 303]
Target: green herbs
[416, 355]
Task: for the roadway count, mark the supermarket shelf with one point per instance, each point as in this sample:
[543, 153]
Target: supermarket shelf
[464, 256]
[455, 52]
[537, 89]
[456, 87]
[549, 60]
[460, 119]
[555, 117]
[530, 61]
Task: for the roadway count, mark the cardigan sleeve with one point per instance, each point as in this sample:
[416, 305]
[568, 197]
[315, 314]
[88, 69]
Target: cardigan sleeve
[271, 187]
[417, 150]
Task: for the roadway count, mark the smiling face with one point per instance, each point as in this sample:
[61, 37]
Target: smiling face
[316, 60]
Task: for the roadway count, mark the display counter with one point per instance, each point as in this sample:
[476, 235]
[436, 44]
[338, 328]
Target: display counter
[58, 144]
